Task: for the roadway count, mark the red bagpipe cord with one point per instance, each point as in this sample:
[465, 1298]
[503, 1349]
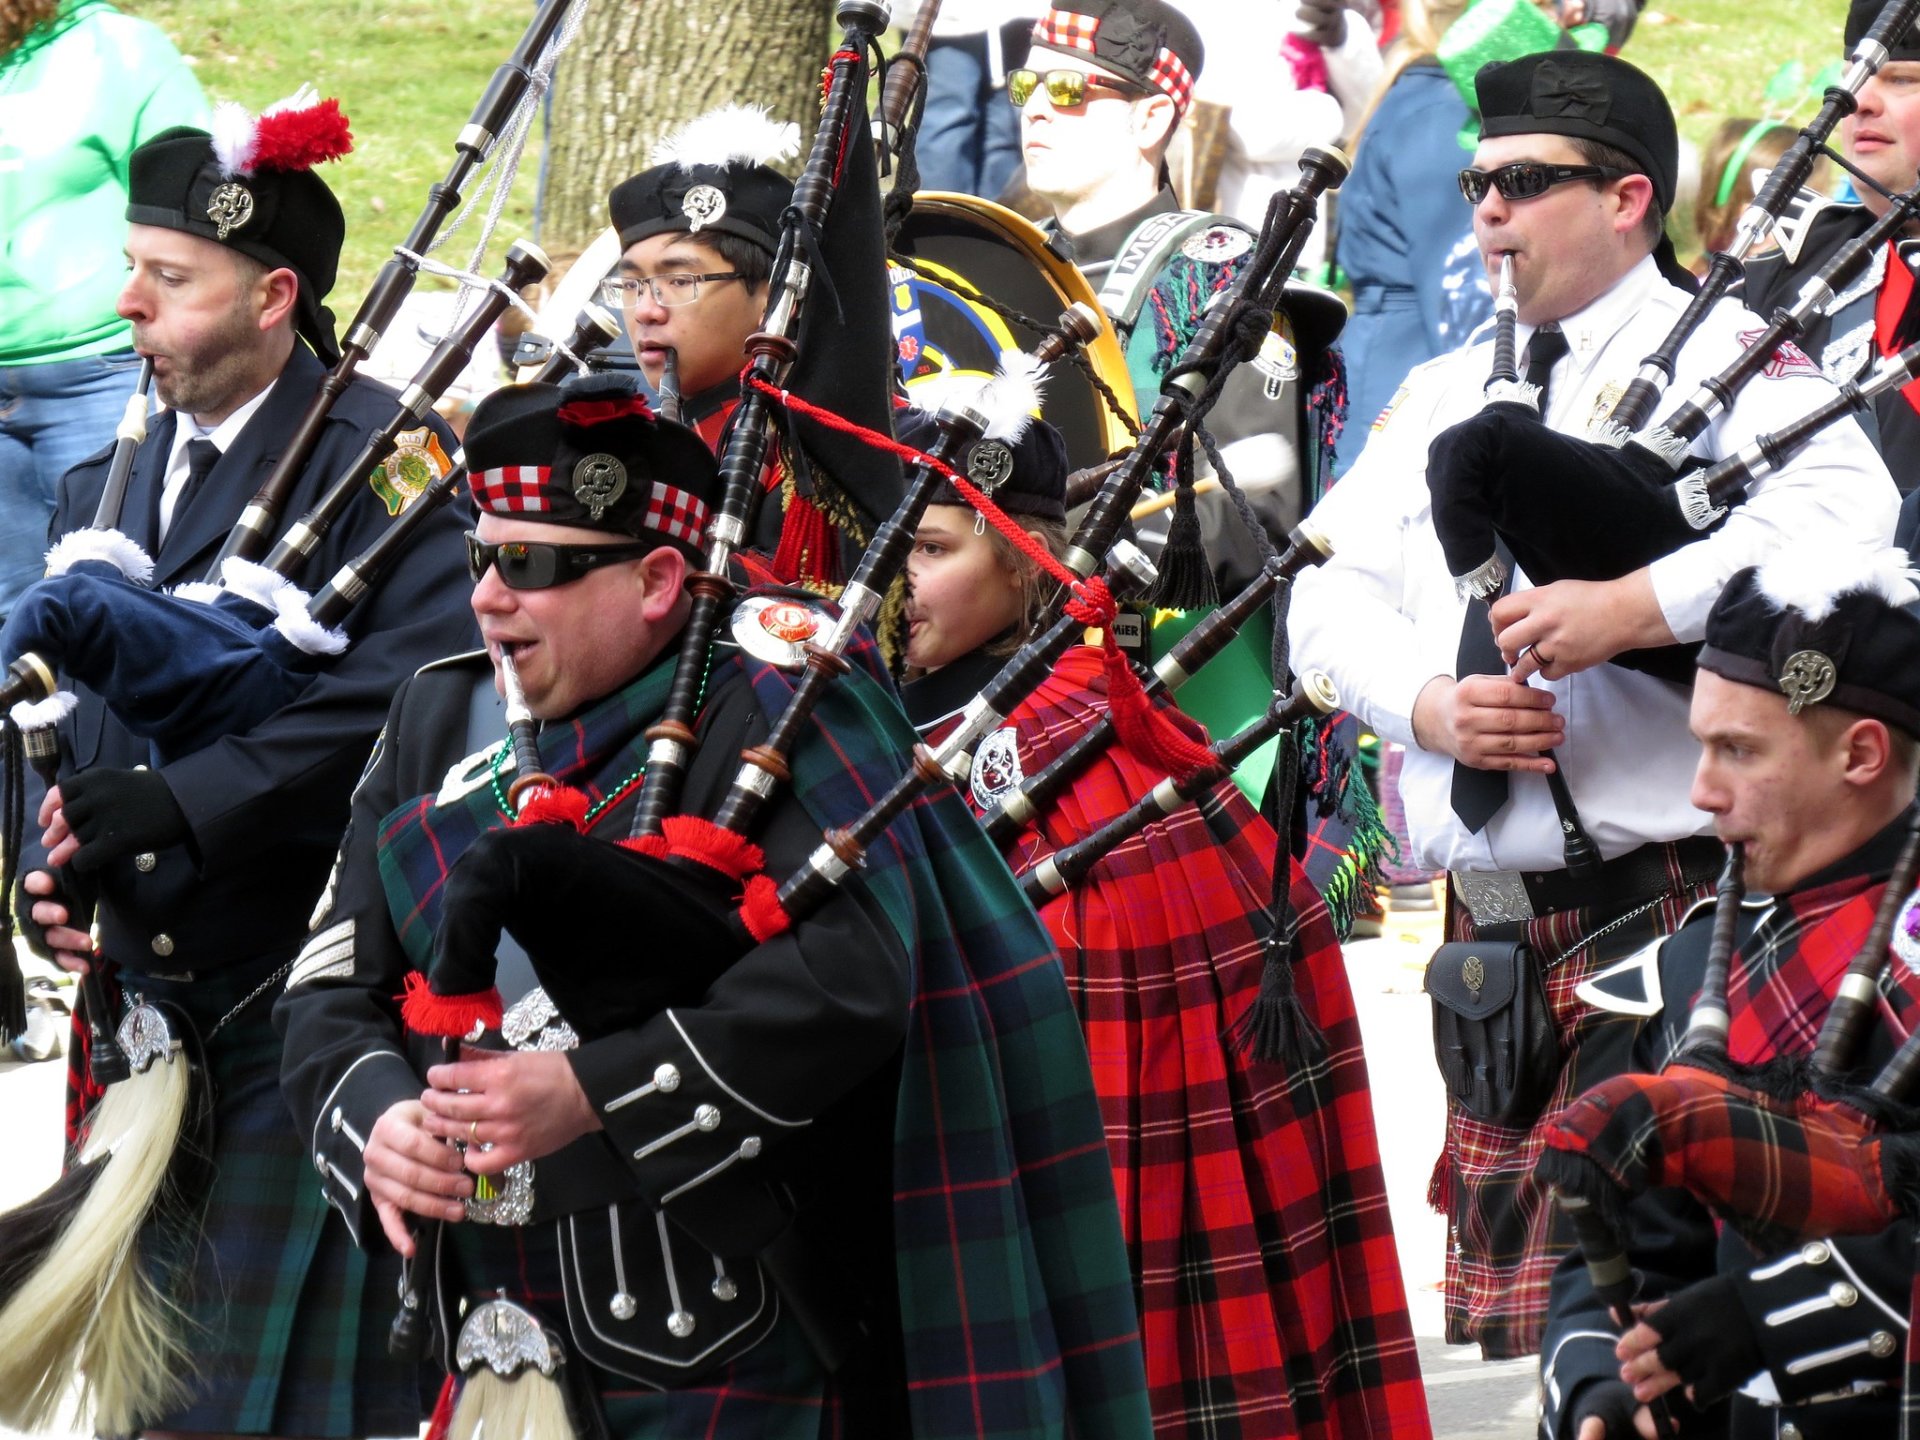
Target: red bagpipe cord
[1148, 735]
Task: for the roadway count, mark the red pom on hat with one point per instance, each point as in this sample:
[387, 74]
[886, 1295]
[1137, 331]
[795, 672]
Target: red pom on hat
[299, 139]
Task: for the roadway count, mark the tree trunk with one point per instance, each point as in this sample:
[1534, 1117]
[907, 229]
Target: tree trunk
[640, 67]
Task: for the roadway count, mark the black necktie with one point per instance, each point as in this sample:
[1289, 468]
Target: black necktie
[1479, 794]
[202, 456]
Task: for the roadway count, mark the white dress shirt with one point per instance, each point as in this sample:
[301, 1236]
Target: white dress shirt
[184, 429]
[1383, 619]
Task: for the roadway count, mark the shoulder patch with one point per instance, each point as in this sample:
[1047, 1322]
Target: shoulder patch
[417, 461]
[1380, 420]
[1788, 359]
[1906, 934]
[777, 628]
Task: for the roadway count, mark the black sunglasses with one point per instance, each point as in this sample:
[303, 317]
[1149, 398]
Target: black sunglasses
[537, 565]
[1528, 179]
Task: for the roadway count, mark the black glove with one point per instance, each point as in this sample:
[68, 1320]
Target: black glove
[1705, 1339]
[1610, 1401]
[1617, 15]
[1324, 22]
[68, 890]
[114, 813]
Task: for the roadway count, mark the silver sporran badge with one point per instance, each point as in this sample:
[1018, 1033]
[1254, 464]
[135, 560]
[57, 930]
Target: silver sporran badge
[230, 207]
[506, 1339]
[598, 481]
[996, 768]
[702, 205]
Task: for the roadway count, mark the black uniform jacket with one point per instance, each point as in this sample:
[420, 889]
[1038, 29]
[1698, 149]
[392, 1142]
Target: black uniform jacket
[791, 1056]
[266, 808]
[1829, 1316]
[1834, 340]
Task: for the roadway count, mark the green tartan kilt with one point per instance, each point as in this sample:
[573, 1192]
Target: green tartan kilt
[288, 1318]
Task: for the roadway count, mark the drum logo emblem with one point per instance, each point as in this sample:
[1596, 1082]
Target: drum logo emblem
[229, 207]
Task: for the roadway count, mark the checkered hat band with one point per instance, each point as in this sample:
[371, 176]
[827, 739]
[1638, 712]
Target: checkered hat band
[1068, 30]
[677, 513]
[511, 488]
[1171, 75]
[1065, 30]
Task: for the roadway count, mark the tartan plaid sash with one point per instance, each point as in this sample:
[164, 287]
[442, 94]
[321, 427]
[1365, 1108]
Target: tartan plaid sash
[1014, 1291]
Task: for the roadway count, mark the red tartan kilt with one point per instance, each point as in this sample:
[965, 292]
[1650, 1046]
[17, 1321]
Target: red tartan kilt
[1252, 1199]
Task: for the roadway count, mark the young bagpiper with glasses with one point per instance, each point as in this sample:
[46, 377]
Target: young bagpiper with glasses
[822, 1186]
[1574, 170]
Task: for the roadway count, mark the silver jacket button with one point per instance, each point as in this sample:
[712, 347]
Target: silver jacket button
[1881, 1344]
[1843, 1294]
[667, 1079]
[337, 1119]
[622, 1305]
[320, 1162]
[680, 1324]
[749, 1147]
[1789, 1431]
[725, 1289]
[707, 1117]
[1815, 1252]
[145, 861]
[163, 944]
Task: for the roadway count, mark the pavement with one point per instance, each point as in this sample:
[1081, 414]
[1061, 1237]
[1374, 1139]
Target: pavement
[1470, 1399]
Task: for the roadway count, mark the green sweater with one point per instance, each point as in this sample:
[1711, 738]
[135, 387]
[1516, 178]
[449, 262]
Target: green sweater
[76, 99]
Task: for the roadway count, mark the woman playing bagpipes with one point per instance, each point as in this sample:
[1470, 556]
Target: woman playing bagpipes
[1250, 1190]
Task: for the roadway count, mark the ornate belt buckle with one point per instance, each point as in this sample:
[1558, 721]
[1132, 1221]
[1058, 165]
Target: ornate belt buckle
[1493, 897]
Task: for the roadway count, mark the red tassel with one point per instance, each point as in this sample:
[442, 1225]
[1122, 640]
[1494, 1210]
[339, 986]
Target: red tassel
[301, 139]
[448, 1016]
[442, 1420]
[807, 554]
[734, 856]
[1440, 1187]
[586, 413]
[761, 911]
[554, 805]
[654, 847]
[1149, 736]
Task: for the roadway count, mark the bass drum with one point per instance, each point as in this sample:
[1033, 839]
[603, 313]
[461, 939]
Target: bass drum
[963, 246]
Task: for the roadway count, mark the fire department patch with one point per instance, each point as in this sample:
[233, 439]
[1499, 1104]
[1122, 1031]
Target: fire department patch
[1380, 420]
[996, 768]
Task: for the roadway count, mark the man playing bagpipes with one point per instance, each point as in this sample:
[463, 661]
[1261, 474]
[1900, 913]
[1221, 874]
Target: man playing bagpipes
[200, 872]
[1876, 315]
[1807, 709]
[846, 1178]
[700, 228]
[1575, 167]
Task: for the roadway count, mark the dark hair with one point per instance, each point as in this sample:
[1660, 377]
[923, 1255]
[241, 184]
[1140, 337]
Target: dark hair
[1036, 586]
[1652, 224]
[755, 265]
[20, 18]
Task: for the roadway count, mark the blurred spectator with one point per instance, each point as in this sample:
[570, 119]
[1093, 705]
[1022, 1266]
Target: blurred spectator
[1405, 237]
[1740, 149]
[1281, 75]
[81, 85]
[425, 318]
[970, 136]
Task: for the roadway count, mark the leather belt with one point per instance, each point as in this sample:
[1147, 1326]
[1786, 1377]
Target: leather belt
[1502, 897]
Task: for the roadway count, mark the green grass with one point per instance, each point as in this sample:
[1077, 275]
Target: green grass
[409, 71]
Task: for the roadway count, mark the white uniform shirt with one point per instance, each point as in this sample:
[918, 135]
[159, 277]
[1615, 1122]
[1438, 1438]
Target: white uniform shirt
[1382, 617]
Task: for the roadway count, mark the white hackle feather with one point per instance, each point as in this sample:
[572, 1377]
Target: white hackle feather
[305, 98]
[233, 130]
[1811, 579]
[731, 135]
[1012, 397]
[121, 551]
